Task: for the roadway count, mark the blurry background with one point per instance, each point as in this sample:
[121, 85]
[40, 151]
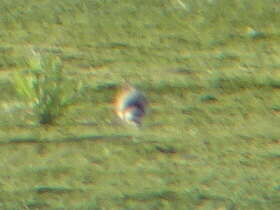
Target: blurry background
[211, 71]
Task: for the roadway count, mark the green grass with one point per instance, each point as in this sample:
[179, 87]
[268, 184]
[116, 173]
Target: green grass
[45, 88]
[211, 71]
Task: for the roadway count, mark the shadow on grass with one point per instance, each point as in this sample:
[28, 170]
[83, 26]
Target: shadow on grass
[56, 190]
[230, 83]
[235, 83]
[190, 200]
[78, 139]
[146, 196]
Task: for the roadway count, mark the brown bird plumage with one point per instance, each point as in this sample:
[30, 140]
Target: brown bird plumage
[130, 105]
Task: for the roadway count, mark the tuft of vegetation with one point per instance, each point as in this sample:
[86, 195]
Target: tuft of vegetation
[45, 88]
[208, 98]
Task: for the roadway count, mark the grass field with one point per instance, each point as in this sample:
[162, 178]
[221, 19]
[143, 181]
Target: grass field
[211, 71]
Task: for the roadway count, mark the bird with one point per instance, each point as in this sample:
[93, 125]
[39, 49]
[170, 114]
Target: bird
[130, 105]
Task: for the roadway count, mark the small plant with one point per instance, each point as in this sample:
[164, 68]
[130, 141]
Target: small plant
[207, 98]
[46, 88]
[253, 34]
